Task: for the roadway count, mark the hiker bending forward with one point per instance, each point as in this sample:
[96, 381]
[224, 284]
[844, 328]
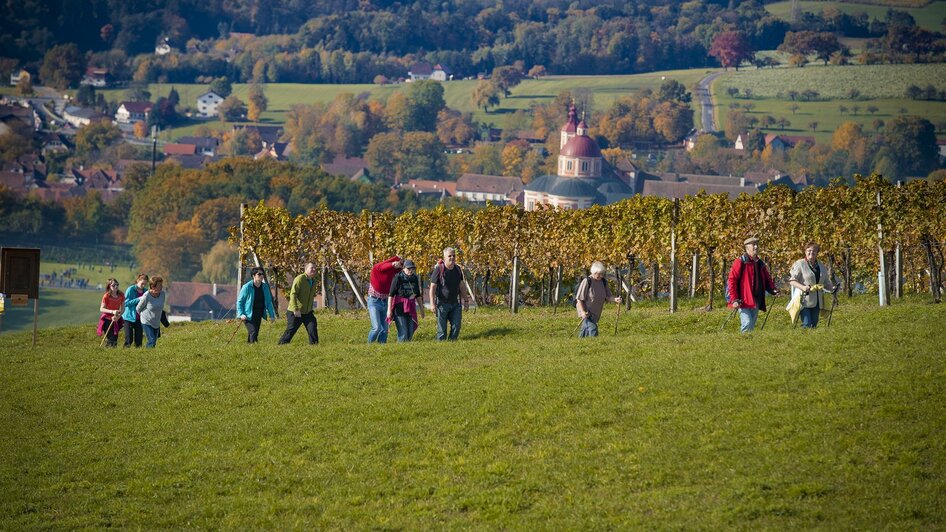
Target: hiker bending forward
[446, 284]
[592, 294]
[748, 281]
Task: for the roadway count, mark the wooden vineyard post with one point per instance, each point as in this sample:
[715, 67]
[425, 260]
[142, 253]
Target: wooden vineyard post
[712, 277]
[673, 256]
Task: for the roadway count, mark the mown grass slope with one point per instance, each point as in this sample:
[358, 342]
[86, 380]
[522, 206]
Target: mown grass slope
[670, 424]
[458, 94]
[880, 86]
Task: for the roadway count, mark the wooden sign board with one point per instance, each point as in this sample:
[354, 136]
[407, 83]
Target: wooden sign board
[19, 272]
[19, 300]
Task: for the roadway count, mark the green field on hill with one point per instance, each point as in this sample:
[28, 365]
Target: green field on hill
[669, 425]
[930, 16]
[881, 86]
[456, 93]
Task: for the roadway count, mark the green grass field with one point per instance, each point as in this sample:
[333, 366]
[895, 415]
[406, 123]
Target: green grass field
[881, 86]
[929, 16]
[670, 425]
[456, 93]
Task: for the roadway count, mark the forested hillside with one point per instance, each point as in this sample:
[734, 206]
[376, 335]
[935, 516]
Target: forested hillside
[346, 41]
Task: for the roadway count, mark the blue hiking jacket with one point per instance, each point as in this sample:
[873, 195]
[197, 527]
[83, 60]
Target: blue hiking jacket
[245, 301]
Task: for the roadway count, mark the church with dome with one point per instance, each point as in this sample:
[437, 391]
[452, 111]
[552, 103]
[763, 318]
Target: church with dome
[583, 179]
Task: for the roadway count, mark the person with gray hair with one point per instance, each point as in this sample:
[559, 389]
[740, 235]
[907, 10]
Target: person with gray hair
[446, 284]
[299, 311]
[590, 298]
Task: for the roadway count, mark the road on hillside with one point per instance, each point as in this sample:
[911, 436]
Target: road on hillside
[706, 101]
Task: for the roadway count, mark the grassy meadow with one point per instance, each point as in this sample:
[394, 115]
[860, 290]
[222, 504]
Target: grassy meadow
[456, 93]
[670, 424]
[928, 15]
[881, 86]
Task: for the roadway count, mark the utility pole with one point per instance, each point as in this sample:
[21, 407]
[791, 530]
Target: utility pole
[154, 149]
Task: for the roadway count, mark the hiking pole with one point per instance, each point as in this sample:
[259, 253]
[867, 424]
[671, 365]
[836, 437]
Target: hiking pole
[579, 327]
[616, 318]
[767, 312]
[731, 314]
[834, 302]
[107, 330]
[239, 322]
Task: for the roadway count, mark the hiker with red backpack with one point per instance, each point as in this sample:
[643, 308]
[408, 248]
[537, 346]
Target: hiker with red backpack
[749, 280]
[446, 283]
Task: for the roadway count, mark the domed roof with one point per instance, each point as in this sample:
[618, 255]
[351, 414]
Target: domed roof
[581, 146]
[574, 188]
[566, 187]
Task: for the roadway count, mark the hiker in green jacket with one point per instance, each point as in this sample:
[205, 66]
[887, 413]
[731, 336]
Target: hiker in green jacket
[299, 312]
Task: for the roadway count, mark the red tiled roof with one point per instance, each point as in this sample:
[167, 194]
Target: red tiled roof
[137, 107]
[180, 149]
[428, 186]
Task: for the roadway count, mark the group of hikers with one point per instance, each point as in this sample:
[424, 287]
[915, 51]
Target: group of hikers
[395, 295]
[139, 311]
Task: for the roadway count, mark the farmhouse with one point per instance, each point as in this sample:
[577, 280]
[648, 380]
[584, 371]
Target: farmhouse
[96, 77]
[423, 70]
[207, 104]
[130, 112]
[81, 116]
[494, 188]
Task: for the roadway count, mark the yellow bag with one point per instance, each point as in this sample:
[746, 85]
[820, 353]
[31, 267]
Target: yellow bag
[794, 304]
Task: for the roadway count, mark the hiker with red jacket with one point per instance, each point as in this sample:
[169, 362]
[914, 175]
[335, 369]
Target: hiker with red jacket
[379, 285]
[446, 285]
[749, 280]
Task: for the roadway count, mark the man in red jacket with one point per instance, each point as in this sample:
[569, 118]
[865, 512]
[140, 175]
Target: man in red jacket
[378, 287]
[749, 280]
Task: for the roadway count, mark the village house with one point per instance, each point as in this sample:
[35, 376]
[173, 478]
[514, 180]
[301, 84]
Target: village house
[16, 77]
[494, 188]
[787, 142]
[279, 151]
[354, 168]
[208, 104]
[268, 135]
[179, 149]
[18, 117]
[429, 187]
[81, 116]
[163, 48]
[423, 70]
[131, 112]
[97, 77]
[202, 145]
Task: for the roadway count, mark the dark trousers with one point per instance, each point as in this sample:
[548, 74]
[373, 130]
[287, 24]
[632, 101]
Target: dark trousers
[405, 327]
[111, 335]
[293, 324]
[449, 312]
[252, 328]
[134, 331]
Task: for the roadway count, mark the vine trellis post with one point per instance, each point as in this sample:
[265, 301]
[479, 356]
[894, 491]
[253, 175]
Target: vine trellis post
[882, 275]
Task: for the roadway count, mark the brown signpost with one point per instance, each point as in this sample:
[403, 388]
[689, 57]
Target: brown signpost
[19, 278]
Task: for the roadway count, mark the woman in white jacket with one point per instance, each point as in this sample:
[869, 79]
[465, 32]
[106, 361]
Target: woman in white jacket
[810, 277]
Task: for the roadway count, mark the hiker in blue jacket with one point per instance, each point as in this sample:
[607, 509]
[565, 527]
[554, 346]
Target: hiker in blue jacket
[254, 302]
